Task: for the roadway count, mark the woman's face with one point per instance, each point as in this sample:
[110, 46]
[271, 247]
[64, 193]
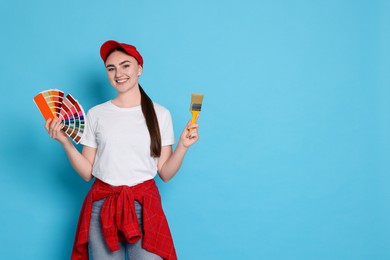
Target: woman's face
[123, 71]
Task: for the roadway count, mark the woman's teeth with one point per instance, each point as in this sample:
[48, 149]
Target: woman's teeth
[121, 80]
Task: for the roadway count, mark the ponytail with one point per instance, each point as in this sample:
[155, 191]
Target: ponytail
[152, 123]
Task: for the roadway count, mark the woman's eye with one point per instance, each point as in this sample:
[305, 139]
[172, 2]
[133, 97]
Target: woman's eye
[110, 69]
[126, 66]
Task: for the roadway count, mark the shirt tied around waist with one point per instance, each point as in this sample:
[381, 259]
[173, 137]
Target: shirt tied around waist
[119, 219]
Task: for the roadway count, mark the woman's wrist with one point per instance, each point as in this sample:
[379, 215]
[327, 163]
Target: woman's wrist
[66, 142]
[181, 146]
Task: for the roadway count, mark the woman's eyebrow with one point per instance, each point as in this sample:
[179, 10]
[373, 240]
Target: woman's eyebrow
[123, 62]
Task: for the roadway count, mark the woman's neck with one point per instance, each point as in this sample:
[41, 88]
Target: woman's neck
[128, 99]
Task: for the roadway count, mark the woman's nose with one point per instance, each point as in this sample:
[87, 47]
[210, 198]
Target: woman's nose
[118, 72]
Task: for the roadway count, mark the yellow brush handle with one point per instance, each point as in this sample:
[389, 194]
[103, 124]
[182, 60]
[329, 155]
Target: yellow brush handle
[194, 116]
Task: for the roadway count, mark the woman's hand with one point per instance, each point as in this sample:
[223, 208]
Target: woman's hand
[53, 127]
[169, 163]
[189, 136]
[81, 162]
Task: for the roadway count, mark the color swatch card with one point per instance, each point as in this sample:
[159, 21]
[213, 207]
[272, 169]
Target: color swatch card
[52, 104]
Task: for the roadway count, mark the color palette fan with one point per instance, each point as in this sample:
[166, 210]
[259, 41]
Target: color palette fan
[52, 104]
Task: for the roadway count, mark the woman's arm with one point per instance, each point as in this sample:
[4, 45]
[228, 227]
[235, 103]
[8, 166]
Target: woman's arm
[169, 162]
[81, 162]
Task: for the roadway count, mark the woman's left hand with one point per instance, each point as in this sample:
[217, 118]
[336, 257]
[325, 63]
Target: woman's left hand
[189, 136]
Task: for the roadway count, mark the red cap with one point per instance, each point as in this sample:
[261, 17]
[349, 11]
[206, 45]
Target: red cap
[108, 46]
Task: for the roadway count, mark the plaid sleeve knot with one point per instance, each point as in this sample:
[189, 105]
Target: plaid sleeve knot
[119, 219]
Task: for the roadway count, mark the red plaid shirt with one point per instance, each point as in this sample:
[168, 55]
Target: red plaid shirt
[119, 219]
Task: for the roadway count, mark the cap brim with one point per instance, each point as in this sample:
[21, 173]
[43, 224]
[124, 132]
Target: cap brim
[107, 47]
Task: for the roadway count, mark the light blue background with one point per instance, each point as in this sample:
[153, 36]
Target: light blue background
[293, 159]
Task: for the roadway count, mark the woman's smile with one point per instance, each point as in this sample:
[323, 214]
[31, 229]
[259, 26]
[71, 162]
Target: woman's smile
[122, 80]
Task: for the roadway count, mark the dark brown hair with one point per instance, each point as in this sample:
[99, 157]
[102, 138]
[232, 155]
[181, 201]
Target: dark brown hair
[150, 118]
[152, 123]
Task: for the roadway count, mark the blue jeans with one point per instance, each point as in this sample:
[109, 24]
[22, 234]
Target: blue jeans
[98, 248]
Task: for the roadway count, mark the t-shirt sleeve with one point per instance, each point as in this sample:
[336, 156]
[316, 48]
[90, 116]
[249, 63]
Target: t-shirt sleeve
[89, 137]
[166, 129]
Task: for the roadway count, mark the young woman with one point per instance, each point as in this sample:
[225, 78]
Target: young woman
[127, 141]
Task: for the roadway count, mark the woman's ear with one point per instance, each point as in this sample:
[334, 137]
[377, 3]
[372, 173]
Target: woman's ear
[139, 70]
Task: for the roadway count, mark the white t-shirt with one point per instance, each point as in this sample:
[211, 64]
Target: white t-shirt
[123, 143]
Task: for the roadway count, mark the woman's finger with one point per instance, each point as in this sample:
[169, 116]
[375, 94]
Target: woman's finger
[192, 126]
[53, 123]
[53, 128]
[51, 132]
[47, 125]
[193, 136]
[58, 126]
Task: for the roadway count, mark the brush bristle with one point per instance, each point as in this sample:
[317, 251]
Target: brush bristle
[196, 102]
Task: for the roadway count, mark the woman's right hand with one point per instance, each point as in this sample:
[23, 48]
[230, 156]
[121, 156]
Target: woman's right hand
[53, 127]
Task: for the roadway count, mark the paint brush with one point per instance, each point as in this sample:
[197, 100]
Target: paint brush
[196, 105]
